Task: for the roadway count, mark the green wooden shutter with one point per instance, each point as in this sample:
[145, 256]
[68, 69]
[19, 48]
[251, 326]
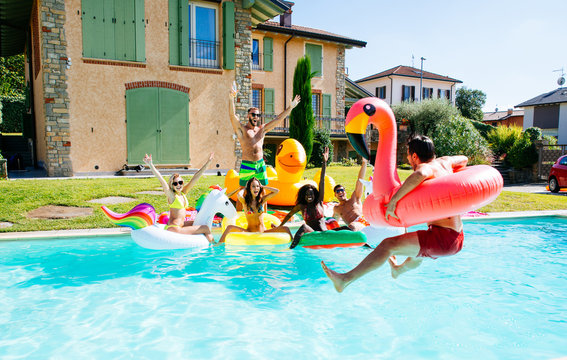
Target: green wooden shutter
[268, 53]
[119, 29]
[141, 124]
[129, 29]
[140, 30]
[174, 32]
[327, 105]
[184, 32]
[108, 23]
[315, 53]
[269, 101]
[173, 135]
[228, 35]
[93, 37]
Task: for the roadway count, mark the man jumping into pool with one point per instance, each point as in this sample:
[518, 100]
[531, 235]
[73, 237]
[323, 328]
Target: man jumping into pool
[251, 137]
[443, 238]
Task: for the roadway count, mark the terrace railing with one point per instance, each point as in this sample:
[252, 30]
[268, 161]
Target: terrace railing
[336, 126]
[204, 53]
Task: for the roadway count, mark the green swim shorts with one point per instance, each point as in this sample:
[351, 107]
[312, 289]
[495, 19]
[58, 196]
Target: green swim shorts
[250, 169]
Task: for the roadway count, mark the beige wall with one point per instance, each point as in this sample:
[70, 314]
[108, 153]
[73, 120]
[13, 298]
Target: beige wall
[295, 49]
[98, 105]
[395, 96]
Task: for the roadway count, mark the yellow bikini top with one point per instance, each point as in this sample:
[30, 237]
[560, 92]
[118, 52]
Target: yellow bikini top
[178, 204]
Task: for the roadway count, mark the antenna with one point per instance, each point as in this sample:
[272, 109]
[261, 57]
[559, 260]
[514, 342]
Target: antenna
[412, 58]
[561, 80]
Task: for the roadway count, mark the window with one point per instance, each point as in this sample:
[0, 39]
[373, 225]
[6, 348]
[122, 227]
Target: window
[315, 54]
[114, 29]
[193, 34]
[257, 98]
[408, 93]
[444, 94]
[255, 54]
[427, 93]
[316, 104]
[381, 92]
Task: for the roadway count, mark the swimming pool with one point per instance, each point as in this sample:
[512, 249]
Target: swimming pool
[502, 297]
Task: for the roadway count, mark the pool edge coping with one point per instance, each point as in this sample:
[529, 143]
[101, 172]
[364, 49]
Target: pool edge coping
[59, 234]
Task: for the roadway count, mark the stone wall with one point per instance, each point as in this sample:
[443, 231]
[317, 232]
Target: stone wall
[243, 66]
[340, 76]
[56, 99]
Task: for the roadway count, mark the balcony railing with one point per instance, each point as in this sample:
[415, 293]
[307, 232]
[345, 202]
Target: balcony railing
[204, 53]
[336, 126]
[256, 61]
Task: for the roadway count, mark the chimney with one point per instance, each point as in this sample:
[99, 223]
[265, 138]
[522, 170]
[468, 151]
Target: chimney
[510, 111]
[285, 18]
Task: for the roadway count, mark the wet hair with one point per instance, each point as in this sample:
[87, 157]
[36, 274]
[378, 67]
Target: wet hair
[301, 195]
[422, 146]
[338, 186]
[248, 198]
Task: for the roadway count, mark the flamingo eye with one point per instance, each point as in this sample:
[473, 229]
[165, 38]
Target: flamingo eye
[369, 109]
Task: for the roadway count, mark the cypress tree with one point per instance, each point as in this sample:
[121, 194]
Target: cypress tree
[301, 119]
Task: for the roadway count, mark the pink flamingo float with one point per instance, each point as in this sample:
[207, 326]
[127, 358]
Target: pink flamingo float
[450, 195]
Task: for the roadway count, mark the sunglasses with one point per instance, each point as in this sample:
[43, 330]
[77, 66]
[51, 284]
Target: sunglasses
[180, 182]
[340, 191]
[255, 115]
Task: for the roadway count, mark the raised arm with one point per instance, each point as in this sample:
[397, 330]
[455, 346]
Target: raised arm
[359, 187]
[322, 179]
[459, 162]
[277, 121]
[148, 161]
[234, 119]
[197, 175]
[273, 192]
[295, 209]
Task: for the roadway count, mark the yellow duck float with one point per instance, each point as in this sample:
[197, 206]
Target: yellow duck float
[287, 177]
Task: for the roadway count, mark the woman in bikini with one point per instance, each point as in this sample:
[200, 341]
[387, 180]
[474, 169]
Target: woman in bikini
[254, 198]
[310, 203]
[176, 191]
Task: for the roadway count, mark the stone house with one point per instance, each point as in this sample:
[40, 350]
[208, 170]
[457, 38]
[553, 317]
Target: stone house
[112, 80]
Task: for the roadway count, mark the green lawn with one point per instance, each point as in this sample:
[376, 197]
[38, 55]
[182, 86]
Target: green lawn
[21, 196]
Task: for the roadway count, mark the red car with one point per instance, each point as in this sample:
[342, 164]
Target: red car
[558, 175]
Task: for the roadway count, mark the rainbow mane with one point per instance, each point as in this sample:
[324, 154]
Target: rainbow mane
[139, 217]
[202, 198]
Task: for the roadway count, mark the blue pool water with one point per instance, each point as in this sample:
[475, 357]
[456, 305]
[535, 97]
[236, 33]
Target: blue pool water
[503, 296]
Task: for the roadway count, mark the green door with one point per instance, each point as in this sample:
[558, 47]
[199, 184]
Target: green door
[157, 124]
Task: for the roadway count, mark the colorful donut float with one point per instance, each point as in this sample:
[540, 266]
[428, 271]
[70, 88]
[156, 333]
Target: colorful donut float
[434, 199]
[332, 239]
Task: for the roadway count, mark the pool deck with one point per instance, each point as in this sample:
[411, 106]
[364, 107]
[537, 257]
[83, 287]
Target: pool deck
[58, 234]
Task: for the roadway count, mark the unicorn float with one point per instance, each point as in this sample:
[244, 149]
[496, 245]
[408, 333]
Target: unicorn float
[151, 235]
[287, 177]
[449, 195]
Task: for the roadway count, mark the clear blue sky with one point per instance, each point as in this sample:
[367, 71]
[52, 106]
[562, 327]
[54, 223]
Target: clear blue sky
[508, 49]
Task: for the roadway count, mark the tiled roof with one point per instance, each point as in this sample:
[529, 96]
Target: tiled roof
[309, 32]
[501, 115]
[552, 97]
[409, 71]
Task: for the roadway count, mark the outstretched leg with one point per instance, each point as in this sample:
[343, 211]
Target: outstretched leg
[302, 230]
[228, 230]
[283, 229]
[405, 244]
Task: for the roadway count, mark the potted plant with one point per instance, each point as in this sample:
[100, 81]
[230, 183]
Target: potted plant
[3, 167]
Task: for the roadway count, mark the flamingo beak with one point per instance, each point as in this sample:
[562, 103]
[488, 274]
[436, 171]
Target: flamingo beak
[355, 128]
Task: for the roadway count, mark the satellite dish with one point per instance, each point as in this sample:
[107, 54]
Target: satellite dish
[561, 81]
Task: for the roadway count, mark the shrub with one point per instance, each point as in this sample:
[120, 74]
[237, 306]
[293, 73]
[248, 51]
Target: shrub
[482, 128]
[321, 138]
[349, 162]
[424, 117]
[13, 110]
[502, 138]
[523, 152]
[458, 136]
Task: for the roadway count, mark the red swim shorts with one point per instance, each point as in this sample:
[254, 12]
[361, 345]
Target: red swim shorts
[439, 241]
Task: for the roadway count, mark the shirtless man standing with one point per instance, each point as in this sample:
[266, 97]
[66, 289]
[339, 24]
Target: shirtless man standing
[251, 137]
[443, 238]
[350, 210]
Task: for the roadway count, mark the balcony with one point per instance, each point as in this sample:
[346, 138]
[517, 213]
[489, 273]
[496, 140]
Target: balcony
[204, 53]
[336, 126]
[256, 61]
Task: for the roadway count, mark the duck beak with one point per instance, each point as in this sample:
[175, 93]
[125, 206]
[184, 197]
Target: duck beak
[355, 128]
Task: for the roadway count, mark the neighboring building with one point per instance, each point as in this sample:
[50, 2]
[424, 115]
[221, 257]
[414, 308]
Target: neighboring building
[113, 80]
[507, 118]
[402, 83]
[276, 47]
[548, 112]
